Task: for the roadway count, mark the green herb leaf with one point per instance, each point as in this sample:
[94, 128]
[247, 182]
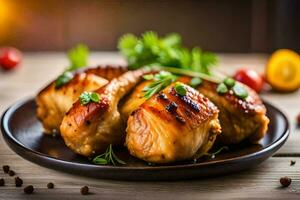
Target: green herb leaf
[109, 157]
[240, 91]
[78, 57]
[229, 82]
[180, 89]
[84, 98]
[99, 161]
[213, 155]
[161, 80]
[195, 82]
[222, 88]
[63, 79]
[148, 77]
[115, 157]
[95, 97]
[87, 97]
[150, 50]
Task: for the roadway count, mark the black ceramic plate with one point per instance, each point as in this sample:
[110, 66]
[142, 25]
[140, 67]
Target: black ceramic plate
[23, 133]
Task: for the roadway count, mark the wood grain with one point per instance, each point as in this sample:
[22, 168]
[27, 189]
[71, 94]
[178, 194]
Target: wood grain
[260, 182]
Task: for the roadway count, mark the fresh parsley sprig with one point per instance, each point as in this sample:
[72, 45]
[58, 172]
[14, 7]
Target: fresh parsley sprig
[160, 81]
[151, 50]
[87, 97]
[78, 57]
[109, 157]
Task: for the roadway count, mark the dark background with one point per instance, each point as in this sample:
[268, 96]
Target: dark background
[217, 25]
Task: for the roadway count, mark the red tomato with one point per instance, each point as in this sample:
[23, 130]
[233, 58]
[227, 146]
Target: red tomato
[9, 58]
[251, 78]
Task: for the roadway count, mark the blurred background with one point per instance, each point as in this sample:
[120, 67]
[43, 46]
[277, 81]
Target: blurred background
[216, 25]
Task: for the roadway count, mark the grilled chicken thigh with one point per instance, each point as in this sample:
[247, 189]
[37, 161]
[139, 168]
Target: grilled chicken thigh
[240, 119]
[170, 127]
[89, 129]
[53, 103]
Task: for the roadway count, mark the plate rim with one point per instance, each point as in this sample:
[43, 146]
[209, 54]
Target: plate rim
[8, 137]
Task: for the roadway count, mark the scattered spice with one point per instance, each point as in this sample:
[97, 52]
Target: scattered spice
[285, 181]
[2, 182]
[84, 190]
[5, 168]
[50, 185]
[293, 162]
[28, 189]
[18, 182]
[11, 173]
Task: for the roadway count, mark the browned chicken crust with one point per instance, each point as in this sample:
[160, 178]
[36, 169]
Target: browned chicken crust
[240, 119]
[169, 127]
[89, 129]
[53, 103]
[108, 72]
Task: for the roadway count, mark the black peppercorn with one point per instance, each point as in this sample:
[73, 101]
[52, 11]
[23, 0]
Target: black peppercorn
[50, 185]
[84, 190]
[28, 189]
[2, 182]
[5, 168]
[11, 173]
[285, 181]
[293, 162]
[18, 182]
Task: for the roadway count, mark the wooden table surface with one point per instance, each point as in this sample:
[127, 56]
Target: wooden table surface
[261, 182]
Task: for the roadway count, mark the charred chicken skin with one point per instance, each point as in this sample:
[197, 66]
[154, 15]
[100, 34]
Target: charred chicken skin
[53, 103]
[170, 127]
[241, 119]
[89, 129]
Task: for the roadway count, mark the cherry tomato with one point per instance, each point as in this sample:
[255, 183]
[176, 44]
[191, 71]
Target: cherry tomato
[9, 58]
[251, 78]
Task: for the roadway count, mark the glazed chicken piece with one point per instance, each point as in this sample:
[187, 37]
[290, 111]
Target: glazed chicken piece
[240, 119]
[170, 127]
[90, 129]
[53, 103]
